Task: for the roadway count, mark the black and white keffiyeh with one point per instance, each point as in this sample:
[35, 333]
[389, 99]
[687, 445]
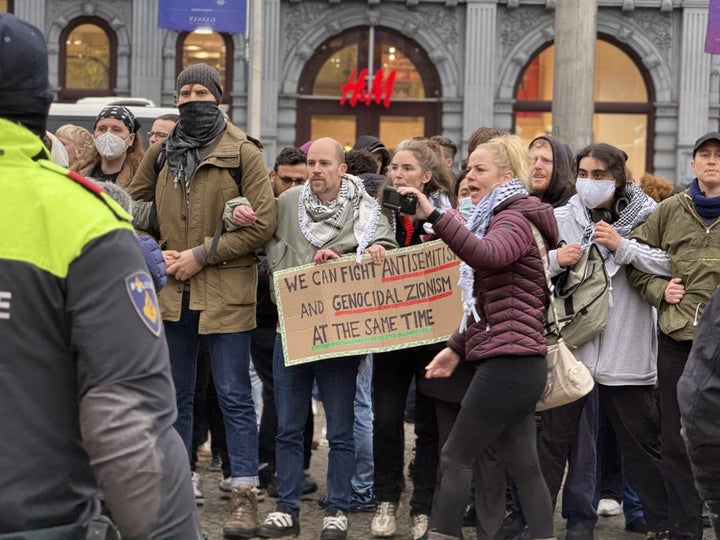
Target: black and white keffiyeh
[321, 222]
[640, 206]
[478, 224]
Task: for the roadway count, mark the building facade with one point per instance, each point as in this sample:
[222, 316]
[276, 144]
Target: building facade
[401, 68]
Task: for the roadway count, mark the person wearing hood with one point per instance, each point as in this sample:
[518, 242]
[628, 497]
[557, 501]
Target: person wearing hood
[605, 211]
[551, 176]
[501, 332]
[119, 146]
[376, 148]
[87, 392]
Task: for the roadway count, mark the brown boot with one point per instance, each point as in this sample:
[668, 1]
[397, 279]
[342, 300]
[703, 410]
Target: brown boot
[244, 521]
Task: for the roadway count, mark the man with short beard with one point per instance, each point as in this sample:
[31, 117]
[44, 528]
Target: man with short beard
[329, 216]
[212, 273]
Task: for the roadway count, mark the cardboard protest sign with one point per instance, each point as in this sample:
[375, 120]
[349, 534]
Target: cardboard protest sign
[341, 308]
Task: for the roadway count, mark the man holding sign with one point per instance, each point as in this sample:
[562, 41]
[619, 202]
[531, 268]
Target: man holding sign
[331, 215]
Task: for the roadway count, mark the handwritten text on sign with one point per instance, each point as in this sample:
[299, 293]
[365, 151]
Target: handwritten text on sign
[341, 308]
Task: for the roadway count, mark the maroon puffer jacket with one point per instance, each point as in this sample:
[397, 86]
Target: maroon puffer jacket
[509, 279]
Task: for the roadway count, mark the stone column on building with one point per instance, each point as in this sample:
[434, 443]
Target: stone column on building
[146, 52]
[270, 79]
[32, 11]
[574, 72]
[694, 87]
[256, 68]
[480, 47]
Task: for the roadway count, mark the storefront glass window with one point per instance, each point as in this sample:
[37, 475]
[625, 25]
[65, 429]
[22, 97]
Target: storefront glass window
[338, 68]
[208, 48]
[394, 129]
[87, 58]
[348, 88]
[340, 127]
[408, 83]
[619, 88]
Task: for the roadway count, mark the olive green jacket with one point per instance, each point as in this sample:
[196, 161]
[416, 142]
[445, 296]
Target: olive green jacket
[694, 251]
[224, 291]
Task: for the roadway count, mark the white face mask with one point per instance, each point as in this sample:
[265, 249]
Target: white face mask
[110, 145]
[593, 193]
[466, 207]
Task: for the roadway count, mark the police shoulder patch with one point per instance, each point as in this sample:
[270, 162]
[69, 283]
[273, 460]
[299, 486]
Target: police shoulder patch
[141, 290]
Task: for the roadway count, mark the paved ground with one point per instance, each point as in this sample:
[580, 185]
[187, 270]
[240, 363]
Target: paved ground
[216, 510]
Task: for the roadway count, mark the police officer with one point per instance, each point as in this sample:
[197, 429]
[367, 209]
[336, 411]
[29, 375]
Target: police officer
[87, 403]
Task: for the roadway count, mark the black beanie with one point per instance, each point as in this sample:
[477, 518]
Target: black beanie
[201, 74]
[25, 94]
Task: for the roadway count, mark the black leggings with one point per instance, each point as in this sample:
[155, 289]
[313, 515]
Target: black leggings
[497, 412]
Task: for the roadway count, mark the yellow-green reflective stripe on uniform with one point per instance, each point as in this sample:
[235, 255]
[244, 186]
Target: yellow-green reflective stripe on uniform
[49, 231]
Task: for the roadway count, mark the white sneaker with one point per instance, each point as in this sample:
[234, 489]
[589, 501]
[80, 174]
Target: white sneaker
[419, 526]
[384, 523]
[226, 484]
[334, 527]
[199, 499]
[609, 507]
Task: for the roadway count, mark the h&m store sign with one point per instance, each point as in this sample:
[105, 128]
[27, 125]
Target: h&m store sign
[356, 90]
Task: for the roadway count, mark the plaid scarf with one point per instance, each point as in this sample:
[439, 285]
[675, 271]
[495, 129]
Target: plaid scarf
[639, 208]
[322, 222]
[478, 224]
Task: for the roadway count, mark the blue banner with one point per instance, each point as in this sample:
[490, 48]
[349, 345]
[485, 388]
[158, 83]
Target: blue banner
[228, 16]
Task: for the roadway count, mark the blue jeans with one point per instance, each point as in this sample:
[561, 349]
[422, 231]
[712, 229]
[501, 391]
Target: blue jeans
[362, 480]
[230, 364]
[293, 386]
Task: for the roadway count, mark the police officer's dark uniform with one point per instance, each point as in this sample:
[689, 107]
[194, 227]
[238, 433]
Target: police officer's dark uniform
[86, 397]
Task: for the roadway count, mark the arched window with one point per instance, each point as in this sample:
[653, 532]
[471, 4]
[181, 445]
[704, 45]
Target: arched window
[210, 48]
[624, 114]
[397, 98]
[88, 59]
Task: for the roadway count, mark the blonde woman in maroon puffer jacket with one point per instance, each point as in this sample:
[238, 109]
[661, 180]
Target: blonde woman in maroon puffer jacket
[504, 293]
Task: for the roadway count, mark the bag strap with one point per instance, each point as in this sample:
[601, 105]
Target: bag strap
[540, 241]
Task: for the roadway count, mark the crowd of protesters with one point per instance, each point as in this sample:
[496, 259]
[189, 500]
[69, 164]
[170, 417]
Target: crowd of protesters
[121, 343]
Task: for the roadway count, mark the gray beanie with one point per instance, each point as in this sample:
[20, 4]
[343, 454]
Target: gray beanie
[201, 74]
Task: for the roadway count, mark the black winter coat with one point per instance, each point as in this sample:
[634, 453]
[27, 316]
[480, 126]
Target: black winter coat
[699, 400]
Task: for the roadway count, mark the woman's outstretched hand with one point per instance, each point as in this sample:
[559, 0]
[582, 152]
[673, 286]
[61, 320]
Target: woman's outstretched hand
[443, 364]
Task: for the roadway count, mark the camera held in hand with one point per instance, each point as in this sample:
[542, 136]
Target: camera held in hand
[407, 204]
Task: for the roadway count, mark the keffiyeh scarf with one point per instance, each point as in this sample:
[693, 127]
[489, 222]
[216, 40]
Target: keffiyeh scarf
[478, 224]
[639, 208]
[322, 222]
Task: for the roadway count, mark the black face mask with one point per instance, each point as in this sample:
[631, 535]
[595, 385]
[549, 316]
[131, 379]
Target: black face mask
[200, 118]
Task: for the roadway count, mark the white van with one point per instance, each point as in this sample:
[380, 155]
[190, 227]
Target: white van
[84, 112]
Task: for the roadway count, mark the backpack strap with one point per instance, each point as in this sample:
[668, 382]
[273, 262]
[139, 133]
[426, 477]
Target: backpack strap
[542, 247]
[235, 173]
